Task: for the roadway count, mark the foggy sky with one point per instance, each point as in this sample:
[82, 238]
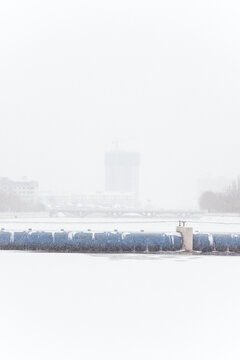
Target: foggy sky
[162, 77]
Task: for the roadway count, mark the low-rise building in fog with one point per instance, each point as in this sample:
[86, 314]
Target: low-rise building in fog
[96, 199]
[26, 190]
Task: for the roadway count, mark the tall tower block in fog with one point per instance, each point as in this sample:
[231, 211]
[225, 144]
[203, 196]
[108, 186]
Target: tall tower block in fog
[122, 172]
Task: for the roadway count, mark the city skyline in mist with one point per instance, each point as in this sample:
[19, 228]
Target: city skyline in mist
[212, 184]
[162, 78]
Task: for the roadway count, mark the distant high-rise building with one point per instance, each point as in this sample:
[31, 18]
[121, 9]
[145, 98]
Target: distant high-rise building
[122, 172]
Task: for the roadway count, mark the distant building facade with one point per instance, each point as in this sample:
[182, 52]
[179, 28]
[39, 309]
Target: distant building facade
[108, 199]
[122, 172]
[98, 199]
[26, 190]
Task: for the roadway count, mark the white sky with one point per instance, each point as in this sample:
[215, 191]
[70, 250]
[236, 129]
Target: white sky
[161, 76]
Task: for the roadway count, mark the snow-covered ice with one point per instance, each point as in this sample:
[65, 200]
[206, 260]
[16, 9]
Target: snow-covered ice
[208, 223]
[78, 306]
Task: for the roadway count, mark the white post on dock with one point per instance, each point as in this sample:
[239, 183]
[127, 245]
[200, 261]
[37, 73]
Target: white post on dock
[187, 234]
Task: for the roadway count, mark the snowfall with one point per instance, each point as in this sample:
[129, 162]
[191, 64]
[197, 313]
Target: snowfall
[81, 306]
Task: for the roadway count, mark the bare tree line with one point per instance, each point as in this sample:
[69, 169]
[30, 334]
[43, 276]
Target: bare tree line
[225, 201]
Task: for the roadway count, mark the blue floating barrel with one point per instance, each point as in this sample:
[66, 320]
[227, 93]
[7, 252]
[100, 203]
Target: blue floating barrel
[32, 241]
[140, 242]
[154, 241]
[234, 243]
[202, 242]
[100, 242]
[45, 239]
[127, 243]
[221, 241]
[159, 241]
[177, 241]
[196, 242]
[168, 243]
[5, 239]
[39, 240]
[81, 241]
[20, 239]
[113, 242]
[60, 240]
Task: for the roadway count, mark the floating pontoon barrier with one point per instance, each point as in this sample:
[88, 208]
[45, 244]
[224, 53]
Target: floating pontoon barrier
[99, 242]
[121, 242]
[216, 242]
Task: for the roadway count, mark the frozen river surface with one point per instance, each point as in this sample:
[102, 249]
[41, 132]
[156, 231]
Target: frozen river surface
[203, 223]
[79, 306]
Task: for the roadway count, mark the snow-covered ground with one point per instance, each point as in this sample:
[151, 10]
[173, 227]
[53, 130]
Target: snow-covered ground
[81, 306]
[77, 306]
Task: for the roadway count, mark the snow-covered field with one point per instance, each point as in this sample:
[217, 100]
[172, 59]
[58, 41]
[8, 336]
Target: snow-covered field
[81, 306]
[75, 306]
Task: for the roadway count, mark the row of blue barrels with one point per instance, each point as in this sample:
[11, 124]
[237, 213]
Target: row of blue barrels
[91, 242]
[216, 242]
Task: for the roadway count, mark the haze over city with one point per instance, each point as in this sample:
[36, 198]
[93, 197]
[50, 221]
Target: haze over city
[162, 80]
[119, 179]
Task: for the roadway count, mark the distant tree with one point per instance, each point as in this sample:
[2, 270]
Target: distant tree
[211, 201]
[226, 201]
